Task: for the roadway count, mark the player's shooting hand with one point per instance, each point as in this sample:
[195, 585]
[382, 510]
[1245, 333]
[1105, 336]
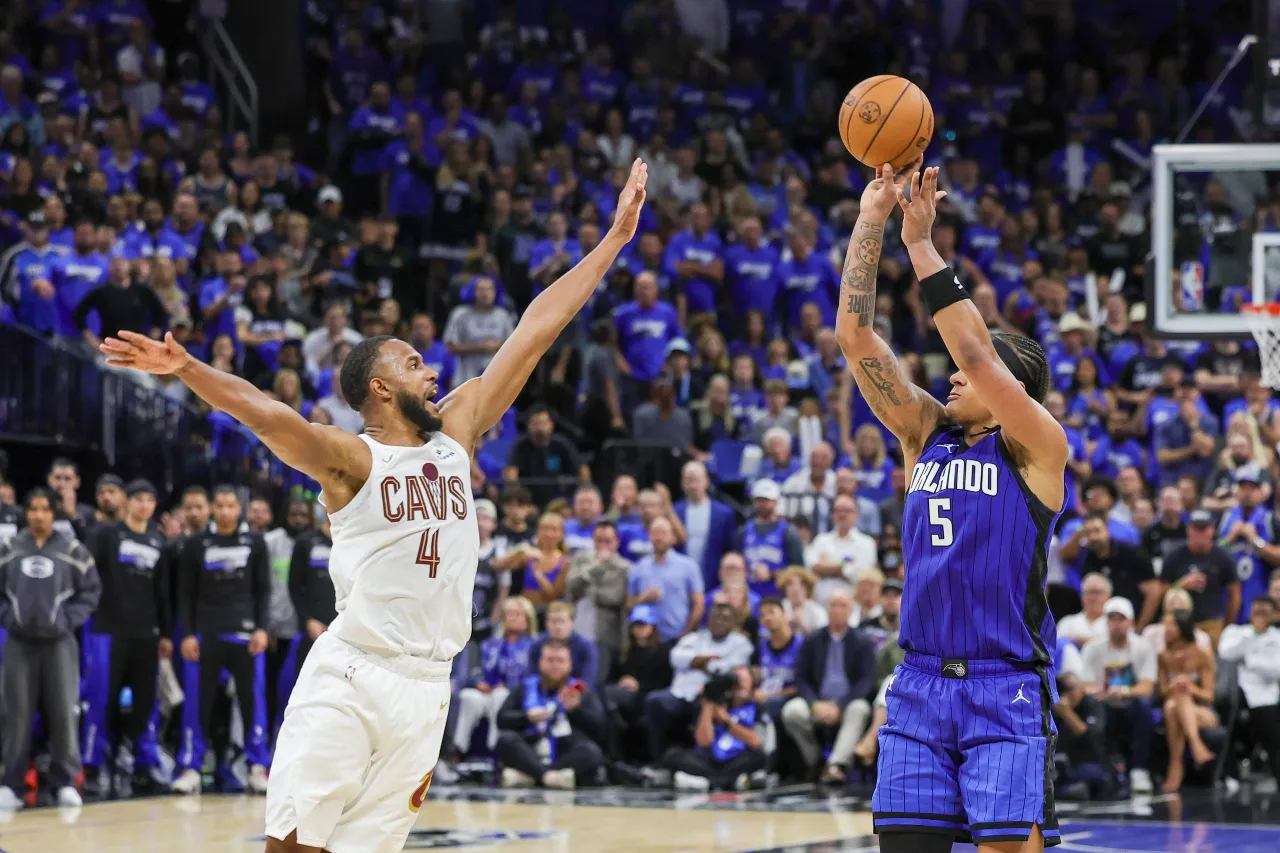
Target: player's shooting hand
[191, 649]
[881, 195]
[627, 217]
[131, 349]
[258, 642]
[919, 212]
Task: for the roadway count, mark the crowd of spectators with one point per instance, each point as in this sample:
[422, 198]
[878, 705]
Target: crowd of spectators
[737, 619]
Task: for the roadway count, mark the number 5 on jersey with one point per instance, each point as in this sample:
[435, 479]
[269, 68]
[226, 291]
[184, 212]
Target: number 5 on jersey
[429, 550]
[939, 524]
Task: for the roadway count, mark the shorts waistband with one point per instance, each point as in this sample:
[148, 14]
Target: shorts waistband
[408, 666]
[962, 668]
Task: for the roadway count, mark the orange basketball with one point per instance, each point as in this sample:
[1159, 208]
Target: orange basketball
[886, 119]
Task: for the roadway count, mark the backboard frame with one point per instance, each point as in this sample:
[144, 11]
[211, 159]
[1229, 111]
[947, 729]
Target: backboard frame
[1166, 160]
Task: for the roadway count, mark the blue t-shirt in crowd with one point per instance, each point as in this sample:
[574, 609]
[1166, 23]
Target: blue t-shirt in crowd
[699, 293]
[813, 280]
[678, 577]
[643, 335]
[751, 275]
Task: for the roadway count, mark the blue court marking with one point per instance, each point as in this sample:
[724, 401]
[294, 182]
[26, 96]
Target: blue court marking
[1144, 837]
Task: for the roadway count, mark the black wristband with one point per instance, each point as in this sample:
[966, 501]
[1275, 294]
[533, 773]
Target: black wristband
[941, 289]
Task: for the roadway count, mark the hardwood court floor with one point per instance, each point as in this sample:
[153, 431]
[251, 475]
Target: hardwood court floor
[233, 824]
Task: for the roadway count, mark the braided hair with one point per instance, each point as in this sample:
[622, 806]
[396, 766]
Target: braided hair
[1033, 359]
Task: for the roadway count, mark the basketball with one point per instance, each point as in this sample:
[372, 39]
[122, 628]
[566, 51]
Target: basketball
[886, 119]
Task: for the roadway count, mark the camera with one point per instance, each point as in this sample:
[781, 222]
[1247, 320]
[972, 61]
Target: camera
[719, 689]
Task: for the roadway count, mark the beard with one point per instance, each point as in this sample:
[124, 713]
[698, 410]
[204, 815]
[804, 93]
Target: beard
[414, 409]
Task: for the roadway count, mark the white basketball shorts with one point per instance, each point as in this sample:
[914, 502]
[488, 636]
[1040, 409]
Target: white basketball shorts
[354, 757]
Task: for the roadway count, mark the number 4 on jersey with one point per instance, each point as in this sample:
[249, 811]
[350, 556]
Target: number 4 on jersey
[429, 551]
[944, 534]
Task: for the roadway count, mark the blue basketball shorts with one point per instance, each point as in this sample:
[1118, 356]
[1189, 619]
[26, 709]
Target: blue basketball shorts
[967, 751]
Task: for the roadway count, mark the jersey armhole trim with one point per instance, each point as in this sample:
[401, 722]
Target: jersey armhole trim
[339, 516]
[1038, 507]
[938, 431]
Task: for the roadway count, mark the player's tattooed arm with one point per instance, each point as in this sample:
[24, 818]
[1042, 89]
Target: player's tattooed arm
[909, 412]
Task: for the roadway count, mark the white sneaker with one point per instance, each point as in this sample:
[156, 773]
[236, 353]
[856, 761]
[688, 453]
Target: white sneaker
[658, 777]
[513, 778]
[688, 782]
[445, 774]
[1140, 782]
[560, 780]
[257, 779]
[69, 797]
[9, 801]
[188, 783]
[742, 783]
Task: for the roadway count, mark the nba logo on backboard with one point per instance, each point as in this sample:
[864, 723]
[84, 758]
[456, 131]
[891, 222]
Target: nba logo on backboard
[1191, 287]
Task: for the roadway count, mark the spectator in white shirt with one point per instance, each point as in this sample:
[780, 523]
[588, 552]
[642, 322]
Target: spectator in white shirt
[867, 586]
[141, 67]
[1256, 647]
[339, 411]
[318, 345]
[1120, 671]
[837, 556]
[810, 491]
[1082, 627]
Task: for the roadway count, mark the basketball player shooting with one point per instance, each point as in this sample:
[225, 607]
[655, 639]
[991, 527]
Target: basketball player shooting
[363, 727]
[967, 752]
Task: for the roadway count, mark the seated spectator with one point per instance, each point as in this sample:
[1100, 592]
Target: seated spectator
[551, 726]
[775, 657]
[882, 629]
[808, 493]
[1120, 670]
[1154, 634]
[729, 749]
[803, 613]
[1090, 623]
[838, 555]
[867, 586]
[542, 460]
[504, 662]
[733, 572]
[661, 422]
[544, 563]
[835, 675]
[586, 660]
[1205, 570]
[1186, 684]
[669, 581]
[1256, 649]
[869, 745]
[597, 586]
[718, 648]
[644, 668]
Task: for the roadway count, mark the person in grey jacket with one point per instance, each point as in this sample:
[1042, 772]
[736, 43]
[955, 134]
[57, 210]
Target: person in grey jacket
[50, 587]
[598, 588]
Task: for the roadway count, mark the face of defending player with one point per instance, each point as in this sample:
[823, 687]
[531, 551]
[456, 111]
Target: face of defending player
[401, 374]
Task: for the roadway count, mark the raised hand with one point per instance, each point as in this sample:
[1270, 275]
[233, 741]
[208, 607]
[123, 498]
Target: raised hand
[881, 194]
[922, 209]
[131, 349]
[631, 200]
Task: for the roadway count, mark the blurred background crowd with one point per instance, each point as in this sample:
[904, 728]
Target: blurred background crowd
[690, 515]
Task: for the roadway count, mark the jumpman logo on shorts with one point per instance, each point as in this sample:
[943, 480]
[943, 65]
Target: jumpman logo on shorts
[1020, 697]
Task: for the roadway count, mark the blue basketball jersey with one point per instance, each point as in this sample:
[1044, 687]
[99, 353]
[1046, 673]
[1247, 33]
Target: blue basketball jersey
[769, 548]
[974, 541]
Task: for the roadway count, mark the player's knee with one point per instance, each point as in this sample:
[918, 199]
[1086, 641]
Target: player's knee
[508, 739]
[1170, 705]
[858, 709]
[592, 753]
[795, 712]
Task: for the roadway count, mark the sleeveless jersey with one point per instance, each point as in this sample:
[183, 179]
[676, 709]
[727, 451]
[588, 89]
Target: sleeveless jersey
[405, 550]
[769, 548]
[778, 666]
[975, 546]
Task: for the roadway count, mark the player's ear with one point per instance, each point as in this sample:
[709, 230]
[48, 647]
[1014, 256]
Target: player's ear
[380, 389]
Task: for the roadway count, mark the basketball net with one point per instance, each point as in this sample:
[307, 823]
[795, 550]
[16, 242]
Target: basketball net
[1264, 323]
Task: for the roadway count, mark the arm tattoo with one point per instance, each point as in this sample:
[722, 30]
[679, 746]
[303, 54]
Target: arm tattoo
[883, 377]
[858, 282]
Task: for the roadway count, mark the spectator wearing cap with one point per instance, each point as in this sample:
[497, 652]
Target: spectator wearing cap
[767, 542]
[1208, 573]
[644, 667]
[670, 581]
[331, 226]
[130, 632]
[1126, 566]
[121, 305]
[1071, 349]
[26, 269]
[1246, 533]
[1185, 443]
[597, 586]
[1091, 622]
[109, 498]
[710, 525]
[50, 587]
[1255, 647]
[688, 385]
[645, 327]
[1120, 671]
[474, 332]
[662, 422]
[716, 649]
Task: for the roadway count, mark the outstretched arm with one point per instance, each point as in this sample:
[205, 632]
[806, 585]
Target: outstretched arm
[338, 460]
[1021, 418]
[908, 411]
[491, 394]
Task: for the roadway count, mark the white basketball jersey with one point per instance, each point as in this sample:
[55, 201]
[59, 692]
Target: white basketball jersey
[405, 552]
